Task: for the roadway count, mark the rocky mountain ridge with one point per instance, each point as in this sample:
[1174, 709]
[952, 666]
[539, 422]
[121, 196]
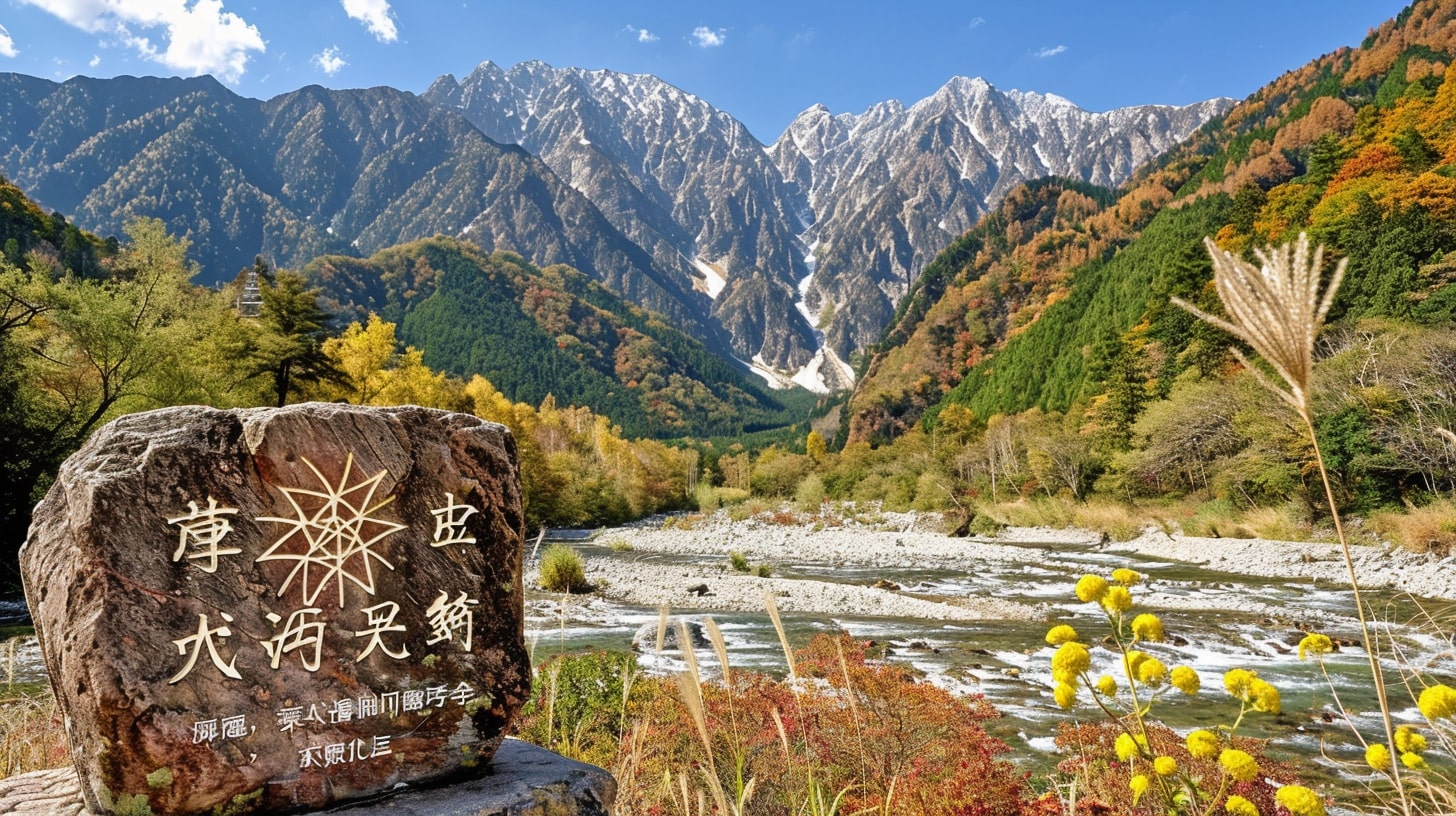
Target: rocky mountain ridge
[789, 257]
[894, 185]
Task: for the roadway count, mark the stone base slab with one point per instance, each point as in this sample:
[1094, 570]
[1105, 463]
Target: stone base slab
[525, 780]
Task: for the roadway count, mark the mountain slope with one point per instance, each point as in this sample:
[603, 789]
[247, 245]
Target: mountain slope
[876, 194]
[668, 201]
[535, 332]
[308, 173]
[891, 186]
[683, 179]
[1358, 148]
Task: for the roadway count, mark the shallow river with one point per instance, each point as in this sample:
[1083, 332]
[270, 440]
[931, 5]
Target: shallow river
[1009, 663]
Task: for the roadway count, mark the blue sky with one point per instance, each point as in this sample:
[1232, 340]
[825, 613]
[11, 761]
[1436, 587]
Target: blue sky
[761, 61]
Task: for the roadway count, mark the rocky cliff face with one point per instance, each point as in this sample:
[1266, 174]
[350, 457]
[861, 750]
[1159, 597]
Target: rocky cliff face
[309, 173]
[892, 186]
[682, 179]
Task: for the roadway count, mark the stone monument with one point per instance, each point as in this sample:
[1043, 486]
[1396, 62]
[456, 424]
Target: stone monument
[278, 610]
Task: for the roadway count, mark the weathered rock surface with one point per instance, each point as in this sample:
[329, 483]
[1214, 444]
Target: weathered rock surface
[524, 780]
[273, 610]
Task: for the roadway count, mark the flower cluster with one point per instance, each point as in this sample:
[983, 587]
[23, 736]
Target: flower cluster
[1072, 660]
[1152, 770]
[1247, 688]
[1436, 702]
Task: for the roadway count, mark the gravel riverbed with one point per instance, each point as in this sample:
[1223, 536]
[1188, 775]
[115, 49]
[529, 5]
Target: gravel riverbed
[661, 563]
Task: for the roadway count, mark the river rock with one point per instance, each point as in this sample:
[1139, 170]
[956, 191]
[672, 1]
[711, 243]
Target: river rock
[645, 638]
[280, 609]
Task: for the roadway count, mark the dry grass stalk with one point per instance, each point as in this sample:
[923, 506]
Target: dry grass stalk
[771, 604]
[690, 687]
[1278, 309]
[720, 649]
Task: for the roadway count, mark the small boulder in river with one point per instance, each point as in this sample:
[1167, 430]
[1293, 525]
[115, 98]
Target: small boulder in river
[645, 640]
[887, 585]
[280, 609]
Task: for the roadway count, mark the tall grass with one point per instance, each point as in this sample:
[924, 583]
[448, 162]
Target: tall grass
[1278, 308]
[1430, 528]
[31, 734]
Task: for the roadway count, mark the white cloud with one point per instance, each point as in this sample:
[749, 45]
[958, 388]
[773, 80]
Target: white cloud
[642, 34]
[7, 45]
[199, 37]
[1050, 51]
[704, 37]
[95, 60]
[331, 60]
[977, 22]
[375, 15]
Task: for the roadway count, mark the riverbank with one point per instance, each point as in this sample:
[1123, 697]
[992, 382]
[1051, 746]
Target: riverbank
[683, 562]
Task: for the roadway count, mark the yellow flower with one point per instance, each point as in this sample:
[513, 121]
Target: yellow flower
[1300, 801]
[1238, 764]
[1377, 756]
[1438, 702]
[1412, 760]
[1091, 588]
[1237, 682]
[1106, 685]
[1165, 766]
[1060, 634]
[1265, 697]
[1239, 806]
[1248, 688]
[1203, 744]
[1132, 660]
[1147, 627]
[1315, 644]
[1409, 740]
[1139, 785]
[1117, 599]
[1065, 695]
[1152, 672]
[1126, 577]
[1127, 747]
[1185, 680]
[1070, 661]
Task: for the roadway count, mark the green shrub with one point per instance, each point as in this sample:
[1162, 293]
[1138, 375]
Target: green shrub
[579, 705]
[983, 525]
[732, 495]
[810, 494]
[562, 570]
[763, 570]
[738, 561]
[707, 498]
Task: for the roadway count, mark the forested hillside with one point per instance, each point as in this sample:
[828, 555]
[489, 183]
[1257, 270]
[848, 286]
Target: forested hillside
[548, 332]
[1058, 303]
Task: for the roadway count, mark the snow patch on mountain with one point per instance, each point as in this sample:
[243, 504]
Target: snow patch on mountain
[713, 279]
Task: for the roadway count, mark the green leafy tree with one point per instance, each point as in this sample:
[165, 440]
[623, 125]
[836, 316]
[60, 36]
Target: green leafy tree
[290, 349]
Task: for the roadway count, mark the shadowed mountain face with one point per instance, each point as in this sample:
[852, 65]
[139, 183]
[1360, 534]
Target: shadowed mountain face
[791, 256]
[309, 173]
[893, 186]
[683, 179]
